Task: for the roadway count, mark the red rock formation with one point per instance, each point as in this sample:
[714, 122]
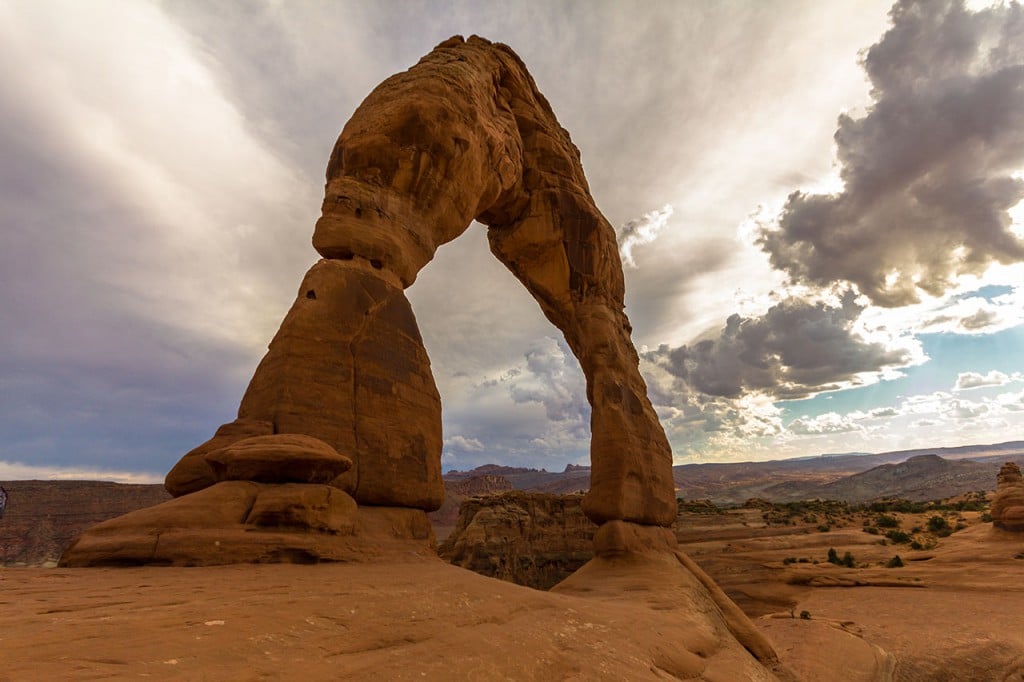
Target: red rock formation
[465, 135]
[487, 484]
[344, 396]
[533, 539]
[1008, 502]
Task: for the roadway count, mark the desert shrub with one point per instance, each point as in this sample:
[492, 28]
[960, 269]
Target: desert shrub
[805, 560]
[895, 562]
[824, 528]
[886, 521]
[916, 545]
[833, 556]
[870, 530]
[847, 560]
[898, 536]
[986, 518]
[789, 560]
[902, 506]
[940, 526]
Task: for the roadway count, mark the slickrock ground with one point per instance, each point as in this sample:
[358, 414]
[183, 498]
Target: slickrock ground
[954, 612]
[411, 618]
[951, 613]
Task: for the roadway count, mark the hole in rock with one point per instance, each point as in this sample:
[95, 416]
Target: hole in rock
[376, 263]
[311, 295]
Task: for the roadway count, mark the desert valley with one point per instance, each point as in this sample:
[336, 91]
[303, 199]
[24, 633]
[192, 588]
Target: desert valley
[906, 583]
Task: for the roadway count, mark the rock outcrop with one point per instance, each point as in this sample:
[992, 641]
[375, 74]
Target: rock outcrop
[532, 539]
[485, 484]
[1008, 502]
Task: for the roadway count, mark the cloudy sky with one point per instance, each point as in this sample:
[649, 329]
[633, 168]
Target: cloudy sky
[819, 207]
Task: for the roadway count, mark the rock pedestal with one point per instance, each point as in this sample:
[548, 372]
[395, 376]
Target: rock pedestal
[1008, 503]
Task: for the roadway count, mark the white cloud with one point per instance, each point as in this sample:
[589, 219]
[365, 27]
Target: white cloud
[925, 423]
[965, 409]
[463, 444]
[830, 422]
[11, 471]
[643, 230]
[969, 380]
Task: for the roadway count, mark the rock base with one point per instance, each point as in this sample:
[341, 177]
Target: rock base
[245, 522]
[643, 564]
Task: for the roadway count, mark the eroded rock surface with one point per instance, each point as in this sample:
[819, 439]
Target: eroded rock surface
[465, 135]
[244, 522]
[1008, 502]
[344, 397]
[532, 539]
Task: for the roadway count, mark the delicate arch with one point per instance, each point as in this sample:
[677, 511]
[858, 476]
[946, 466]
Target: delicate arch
[463, 135]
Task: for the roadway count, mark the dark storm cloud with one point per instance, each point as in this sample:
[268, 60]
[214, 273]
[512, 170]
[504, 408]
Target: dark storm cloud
[928, 170]
[107, 364]
[535, 413]
[796, 349]
[552, 378]
[83, 378]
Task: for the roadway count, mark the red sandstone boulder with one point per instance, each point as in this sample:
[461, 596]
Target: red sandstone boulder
[1008, 502]
[281, 458]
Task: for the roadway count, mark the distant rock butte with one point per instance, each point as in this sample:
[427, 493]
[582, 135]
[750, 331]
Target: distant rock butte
[1008, 502]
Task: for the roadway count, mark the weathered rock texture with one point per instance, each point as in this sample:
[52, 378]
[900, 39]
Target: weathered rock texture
[465, 135]
[531, 539]
[344, 396]
[1008, 502]
[244, 522]
[44, 517]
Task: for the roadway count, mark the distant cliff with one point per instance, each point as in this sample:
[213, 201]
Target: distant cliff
[43, 517]
[534, 539]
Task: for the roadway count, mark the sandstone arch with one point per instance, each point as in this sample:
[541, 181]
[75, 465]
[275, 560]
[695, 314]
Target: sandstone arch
[463, 135]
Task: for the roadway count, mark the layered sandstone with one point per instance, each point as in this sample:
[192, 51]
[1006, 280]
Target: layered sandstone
[532, 539]
[1008, 502]
[463, 135]
[344, 397]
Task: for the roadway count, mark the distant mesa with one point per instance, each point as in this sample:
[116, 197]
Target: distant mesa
[1008, 502]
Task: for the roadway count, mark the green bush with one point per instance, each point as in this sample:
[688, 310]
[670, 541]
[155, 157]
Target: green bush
[940, 526]
[898, 536]
[895, 562]
[886, 521]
